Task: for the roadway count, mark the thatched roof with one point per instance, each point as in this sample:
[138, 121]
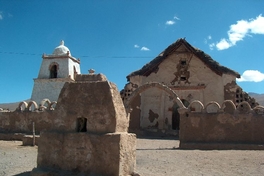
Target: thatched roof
[153, 65]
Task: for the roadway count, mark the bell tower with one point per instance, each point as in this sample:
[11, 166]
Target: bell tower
[55, 70]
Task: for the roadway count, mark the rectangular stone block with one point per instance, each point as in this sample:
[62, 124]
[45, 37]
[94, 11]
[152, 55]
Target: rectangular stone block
[89, 154]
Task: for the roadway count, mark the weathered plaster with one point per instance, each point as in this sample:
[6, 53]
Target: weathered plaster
[240, 129]
[202, 84]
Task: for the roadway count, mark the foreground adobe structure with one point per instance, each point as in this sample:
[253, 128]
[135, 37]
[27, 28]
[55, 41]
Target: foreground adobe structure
[89, 134]
[85, 134]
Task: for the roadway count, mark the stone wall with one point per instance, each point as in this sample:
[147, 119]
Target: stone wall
[22, 122]
[227, 127]
[87, 154]
[104, 113]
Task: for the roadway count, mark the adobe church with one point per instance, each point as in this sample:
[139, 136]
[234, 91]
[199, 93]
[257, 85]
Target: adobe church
[191, 74]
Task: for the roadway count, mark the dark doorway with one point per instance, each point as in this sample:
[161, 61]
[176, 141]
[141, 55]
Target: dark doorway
[54, 71]
[81, 124]
[175, 120]
[134, 123]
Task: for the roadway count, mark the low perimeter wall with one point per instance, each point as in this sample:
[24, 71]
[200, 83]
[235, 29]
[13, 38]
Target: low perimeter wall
[201, 130]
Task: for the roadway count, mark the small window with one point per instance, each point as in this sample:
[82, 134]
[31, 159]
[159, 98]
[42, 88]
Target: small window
[183, 62]
[183, 78]
[81, 124]
[54, 71]
[74, 72]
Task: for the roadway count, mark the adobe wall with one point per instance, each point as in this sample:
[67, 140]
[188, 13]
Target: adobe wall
[201, 84]
[240, 128]
[22, 122]
[86, 133]
[87, 154]
[96, 102]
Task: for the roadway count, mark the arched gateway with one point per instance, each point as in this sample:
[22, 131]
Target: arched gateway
[172, 95]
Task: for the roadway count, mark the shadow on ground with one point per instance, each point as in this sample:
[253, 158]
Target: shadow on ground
[24, 174]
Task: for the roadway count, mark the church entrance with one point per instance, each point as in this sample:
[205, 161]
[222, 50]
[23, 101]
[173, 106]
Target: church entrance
[175, 120]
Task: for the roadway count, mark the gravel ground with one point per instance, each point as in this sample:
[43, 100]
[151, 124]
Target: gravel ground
[155, 157]
[162, 157]
[16, 159]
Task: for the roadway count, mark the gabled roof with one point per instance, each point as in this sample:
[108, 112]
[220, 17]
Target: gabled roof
[153, 65]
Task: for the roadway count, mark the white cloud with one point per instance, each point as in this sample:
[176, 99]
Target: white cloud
[170, 22]
[136, 46]
[176, 18]
[257, 26]
[1, 16]
[209, 37]
[251, 76]
[144, 49]
[211, 46]
[223, 44]
[240, 30]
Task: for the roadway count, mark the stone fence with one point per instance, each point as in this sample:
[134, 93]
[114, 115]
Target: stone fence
[226, 127]
[21, 120]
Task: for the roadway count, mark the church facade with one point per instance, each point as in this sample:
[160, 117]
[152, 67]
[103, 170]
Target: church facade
[55, 70]
[191, 74]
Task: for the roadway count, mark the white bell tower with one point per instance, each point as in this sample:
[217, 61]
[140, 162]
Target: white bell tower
[55, 70]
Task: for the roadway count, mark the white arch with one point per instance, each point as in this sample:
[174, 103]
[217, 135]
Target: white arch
[19, 108]
[196, 102]
[52, 105]
[146, 86]
[231, 103]
[213, 103]
[34, 104]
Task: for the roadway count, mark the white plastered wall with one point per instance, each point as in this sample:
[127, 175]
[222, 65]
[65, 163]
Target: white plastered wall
[46, 88]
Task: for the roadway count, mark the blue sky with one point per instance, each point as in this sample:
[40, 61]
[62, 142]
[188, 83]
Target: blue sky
[118, 37]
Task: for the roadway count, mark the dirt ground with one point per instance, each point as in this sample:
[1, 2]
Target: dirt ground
[155, 157]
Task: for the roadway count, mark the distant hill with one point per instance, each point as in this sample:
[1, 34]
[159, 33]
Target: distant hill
[258, 97]
[11, 106]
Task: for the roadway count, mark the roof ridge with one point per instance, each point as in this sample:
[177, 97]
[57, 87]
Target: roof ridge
[152, 66]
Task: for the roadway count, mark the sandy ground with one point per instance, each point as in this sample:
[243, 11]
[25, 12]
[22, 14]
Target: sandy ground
[155, 157]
